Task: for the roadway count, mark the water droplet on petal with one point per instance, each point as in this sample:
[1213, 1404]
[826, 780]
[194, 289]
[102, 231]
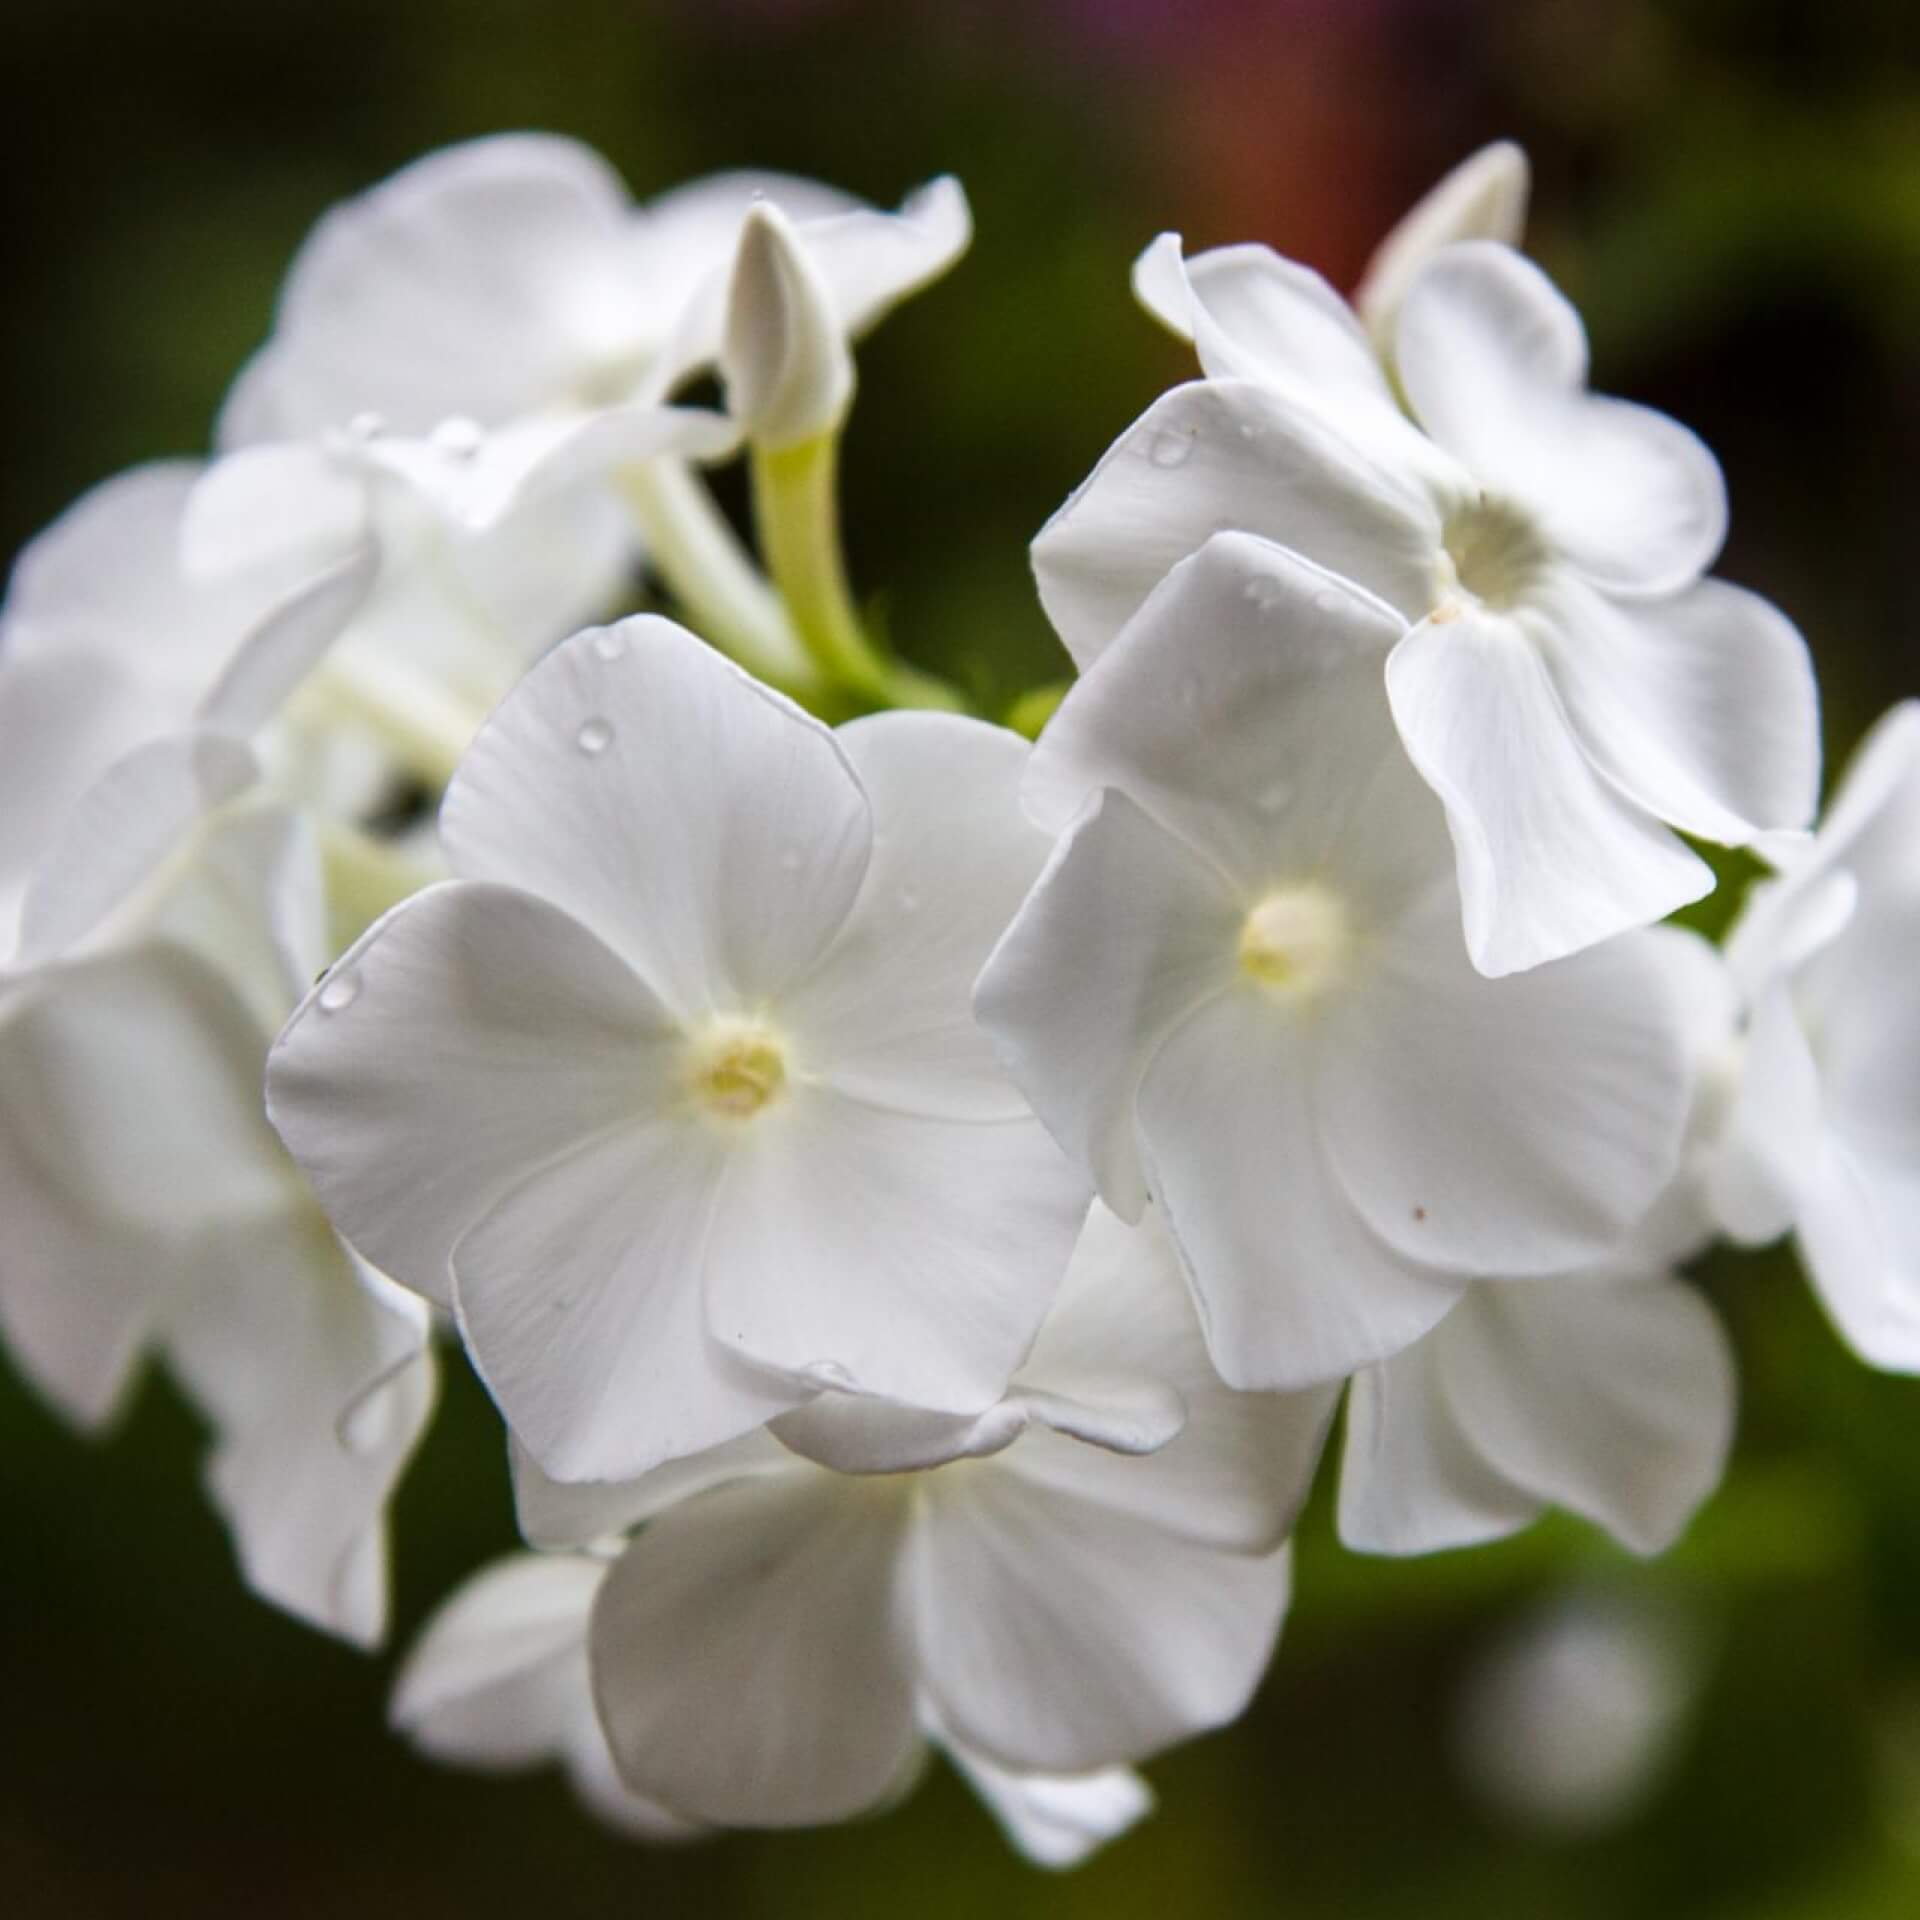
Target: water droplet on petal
[610, 643]
[368, 1423]
[366, 426]
[459, 438]
[1170, 449]
[828, 1373]
[560, 1303]
[595, 736]
[339, 991]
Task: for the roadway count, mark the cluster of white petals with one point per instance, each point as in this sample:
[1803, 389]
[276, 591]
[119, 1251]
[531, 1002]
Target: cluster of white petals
[918, 1198]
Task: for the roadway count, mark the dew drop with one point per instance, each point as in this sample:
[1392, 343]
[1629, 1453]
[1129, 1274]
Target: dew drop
[1170, 449]
[366, 426]
[1265, 594]
[560, 1303]
[828, 1373]
[459, 438]
[339, 992]
[595, 736]
[610, 644]
[366, 1424]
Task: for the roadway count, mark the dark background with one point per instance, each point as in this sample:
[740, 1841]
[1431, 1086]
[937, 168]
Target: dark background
[1731, 189]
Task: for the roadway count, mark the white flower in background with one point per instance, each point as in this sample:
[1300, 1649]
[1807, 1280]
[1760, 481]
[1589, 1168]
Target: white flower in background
[1610, 1393]
[1097, 1569]
[149, 1207]
[1239, 987]
[498, 1680]
[1567, 1722]
[120, 709]
[1823, 1135]
[1567, 682]
[514, 275]
[675, 1093]
[510, 294]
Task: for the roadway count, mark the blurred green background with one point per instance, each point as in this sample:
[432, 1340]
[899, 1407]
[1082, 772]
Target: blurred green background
[1731, 188]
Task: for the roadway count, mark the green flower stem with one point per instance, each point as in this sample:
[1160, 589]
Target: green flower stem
[796, 508]
[424, 726]
[697, 554]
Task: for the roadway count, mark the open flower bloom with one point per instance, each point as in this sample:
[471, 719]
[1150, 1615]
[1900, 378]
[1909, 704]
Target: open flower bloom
[511, 284]
[150, 1208]
[674, 1094]
[499, 1681]
[1824, 1130]
[1567, 682]
[1609, 1393]
[1239, 987]
[1090, 1571]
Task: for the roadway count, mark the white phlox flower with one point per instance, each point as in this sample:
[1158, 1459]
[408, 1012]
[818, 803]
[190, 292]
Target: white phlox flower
[1091, 1571]
[150, 1208]
[512, 284]
[674, 1094]
[1239, 988]
[1823, 1131]
[1567, 683]
[498, 1681]
[1609, 1393]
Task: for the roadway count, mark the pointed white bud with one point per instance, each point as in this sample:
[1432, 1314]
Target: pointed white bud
[788, 373]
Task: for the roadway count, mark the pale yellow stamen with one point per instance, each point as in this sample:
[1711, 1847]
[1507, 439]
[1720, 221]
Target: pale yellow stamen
[1493, 555]
[735, 1069]
[1296, 941]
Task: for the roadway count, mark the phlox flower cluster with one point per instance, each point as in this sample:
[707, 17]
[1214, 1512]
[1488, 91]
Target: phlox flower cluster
[918, 1195]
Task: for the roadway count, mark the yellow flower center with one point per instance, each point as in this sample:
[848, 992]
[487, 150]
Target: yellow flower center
[735, 1068]
[1296, 941]
[1493, 555]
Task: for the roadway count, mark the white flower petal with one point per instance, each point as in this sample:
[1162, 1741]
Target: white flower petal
[745, 1655]
[580, 1297]
[701, 825]
[1293, 1288]
[1125, 932]
[574, 1513]
[290, 509]
[1236, 1469]
[1859, 1235]
[1057, 1636]
[889, 1008]
[1551, 858]
[1220, 455]
[472, 1034]
[477, 281]
[1774, 1144]
[1411, 1481]
[499, 1671]
[1701, 708]
[129, 1122]
[1242, 708]
[318, 1385]
[893, 1254]
[1483, 198]
[1503, 1127]
[1612, 1399]
[1055, 1819]
[872, 260]
[1494, 361]
[120, 831]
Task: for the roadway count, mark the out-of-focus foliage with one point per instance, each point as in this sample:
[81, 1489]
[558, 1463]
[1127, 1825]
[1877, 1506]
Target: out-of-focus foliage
[1732, 190]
